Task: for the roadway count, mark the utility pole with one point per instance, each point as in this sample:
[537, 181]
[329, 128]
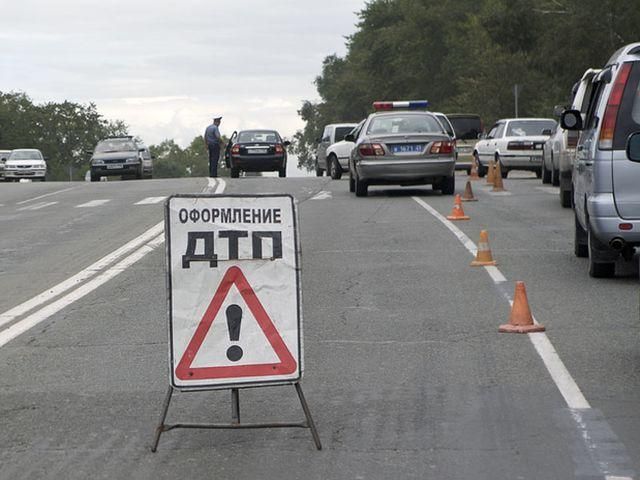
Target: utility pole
[516, 92]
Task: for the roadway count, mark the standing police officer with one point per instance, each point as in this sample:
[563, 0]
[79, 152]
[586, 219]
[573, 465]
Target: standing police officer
[212, 140]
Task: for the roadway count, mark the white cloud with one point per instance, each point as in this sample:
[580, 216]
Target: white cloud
[166, 67]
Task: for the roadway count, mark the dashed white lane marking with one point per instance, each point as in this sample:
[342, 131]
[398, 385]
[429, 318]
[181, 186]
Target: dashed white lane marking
[559, 373]
[499, 194]
[552, 190]
[323, 195]
[93, 203]
[150, 200]
[45, 195]
[38, 206]
[152, 235]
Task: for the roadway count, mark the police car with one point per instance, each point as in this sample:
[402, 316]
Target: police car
[401, 144]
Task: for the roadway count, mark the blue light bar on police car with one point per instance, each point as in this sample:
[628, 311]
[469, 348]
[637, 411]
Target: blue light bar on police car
[406, 105]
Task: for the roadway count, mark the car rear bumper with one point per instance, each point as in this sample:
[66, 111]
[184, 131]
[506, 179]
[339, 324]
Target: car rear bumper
[254, 163]
[404, 170]
[605, 221]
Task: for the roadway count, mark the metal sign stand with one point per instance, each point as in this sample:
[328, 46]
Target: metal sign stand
[235, 419]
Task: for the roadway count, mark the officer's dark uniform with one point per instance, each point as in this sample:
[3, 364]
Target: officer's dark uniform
[212, 138]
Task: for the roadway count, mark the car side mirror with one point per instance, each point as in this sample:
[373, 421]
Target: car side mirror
[633, 147]
[286, 143]
[349, 137]
[571, 120]
[558, 109]
[3, 159]
[546, 132]
[481, 136]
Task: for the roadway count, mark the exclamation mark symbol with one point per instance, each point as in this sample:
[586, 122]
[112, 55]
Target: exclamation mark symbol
[234, 319]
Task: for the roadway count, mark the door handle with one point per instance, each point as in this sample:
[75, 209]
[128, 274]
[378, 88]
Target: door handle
[588, 164]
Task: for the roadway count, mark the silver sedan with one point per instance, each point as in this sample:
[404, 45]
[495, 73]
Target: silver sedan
[401, 148]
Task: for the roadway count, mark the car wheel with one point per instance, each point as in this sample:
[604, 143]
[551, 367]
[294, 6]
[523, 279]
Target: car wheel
[598, 269]
[95, 177]
[538, 173]
[361, 188]
[565, 198]
[352, 183]
[555, 177]
[336, 170]
[282, 172]
[503, 171]
[448, 185]
[546, 173]
[235, 172]
[319, 171]
[482, 170]
[580, 247]
[139, 173]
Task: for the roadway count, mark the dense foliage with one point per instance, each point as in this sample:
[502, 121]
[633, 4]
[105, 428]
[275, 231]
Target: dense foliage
[466, 56]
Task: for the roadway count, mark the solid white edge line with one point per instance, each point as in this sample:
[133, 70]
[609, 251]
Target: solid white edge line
[35, 318]
[45, 195]
[555, 366]
[81, 276]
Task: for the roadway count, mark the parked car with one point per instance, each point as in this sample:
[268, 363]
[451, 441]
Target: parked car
[606, 173]
[4, 154]
[123, 156]
[256, 151]
[25, 163]
[515, 143]
[401, 144]
[338, 156]
[560, 149]
[467, 128]
[331, 134]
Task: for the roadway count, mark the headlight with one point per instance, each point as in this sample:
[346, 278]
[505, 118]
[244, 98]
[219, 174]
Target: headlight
[97, 162]
[132, 160]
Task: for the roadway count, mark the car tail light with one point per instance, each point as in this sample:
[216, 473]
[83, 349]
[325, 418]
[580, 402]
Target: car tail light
[279, 148]
[442, 148]
[611, 112]
[371, 150]
[520, 145]
[235, 150]
[626, 226]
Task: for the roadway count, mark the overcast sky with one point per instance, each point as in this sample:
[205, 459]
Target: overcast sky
[165, 67]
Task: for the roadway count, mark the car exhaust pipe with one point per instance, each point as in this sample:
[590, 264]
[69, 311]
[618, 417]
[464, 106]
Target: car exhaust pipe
[617, 244]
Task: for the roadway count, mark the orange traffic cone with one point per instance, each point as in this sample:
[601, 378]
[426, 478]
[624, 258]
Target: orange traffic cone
[497, 180]
[473, 173]
[521, 320]
[457, 213]
[490, 173]
[483, 257]
[467, 196]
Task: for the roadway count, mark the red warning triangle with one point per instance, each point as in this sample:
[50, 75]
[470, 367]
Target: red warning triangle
[287, 364]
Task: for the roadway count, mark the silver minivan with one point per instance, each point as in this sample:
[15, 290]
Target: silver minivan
[606, 172]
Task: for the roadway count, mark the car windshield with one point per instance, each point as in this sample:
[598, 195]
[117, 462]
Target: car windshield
[26, 155]
[466, 128]
[525, 128]
[404, 123]
[342, 131]
[108, 146]
[263, 136]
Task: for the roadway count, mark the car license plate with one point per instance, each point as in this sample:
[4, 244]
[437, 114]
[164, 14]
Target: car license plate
[113, 167]
[408, 148]
[257, 151]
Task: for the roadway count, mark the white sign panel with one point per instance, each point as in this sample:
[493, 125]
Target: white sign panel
[234, 290]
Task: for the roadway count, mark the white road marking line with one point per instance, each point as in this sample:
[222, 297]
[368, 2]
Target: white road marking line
[150, 200]
[154, 235]
[80, 277]
[35, 318]
[37, 206]
[45, 195]
[93, 203]
[499, 194]
[553, 190]
[562, 378]
[495, 274]
[323, 195]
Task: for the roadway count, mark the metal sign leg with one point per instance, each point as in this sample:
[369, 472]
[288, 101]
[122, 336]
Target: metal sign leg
[163, 417]
[235, 406]
[307, 413]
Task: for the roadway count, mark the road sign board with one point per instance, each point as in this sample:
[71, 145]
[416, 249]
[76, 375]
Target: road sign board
[234, 290]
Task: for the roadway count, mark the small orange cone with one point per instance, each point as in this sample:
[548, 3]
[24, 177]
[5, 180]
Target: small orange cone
[521, 320]
[483, 257]
[457, 213]
[467, 196]
[497, 180]
[473, 174]
[491, 173]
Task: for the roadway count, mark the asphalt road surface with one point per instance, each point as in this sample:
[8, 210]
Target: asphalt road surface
[405, 372]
